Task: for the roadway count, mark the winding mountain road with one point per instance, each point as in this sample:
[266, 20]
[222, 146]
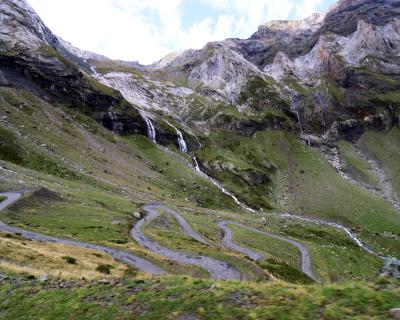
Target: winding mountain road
[217, 269]
[183, 223]
[227, 241]
[120, 255]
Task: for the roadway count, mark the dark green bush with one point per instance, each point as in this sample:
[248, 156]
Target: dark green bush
[104, 268]
[70, 260]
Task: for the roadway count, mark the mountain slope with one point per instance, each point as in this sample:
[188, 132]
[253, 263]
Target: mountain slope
[293, 132]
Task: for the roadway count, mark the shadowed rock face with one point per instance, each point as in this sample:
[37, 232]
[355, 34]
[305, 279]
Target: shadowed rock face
[61, 81]
[29, 50]
[343, 18]
[297, 38]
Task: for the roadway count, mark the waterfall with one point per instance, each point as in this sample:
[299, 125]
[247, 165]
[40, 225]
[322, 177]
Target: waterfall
[197, 167]
[294, 105]
[151, 131]
[181, 140]
[294, 108]
[324, 99]
[116, 125]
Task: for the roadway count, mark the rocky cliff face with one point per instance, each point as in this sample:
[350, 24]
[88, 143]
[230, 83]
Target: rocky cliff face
[325, 67]
[334, 74]
[32, 57]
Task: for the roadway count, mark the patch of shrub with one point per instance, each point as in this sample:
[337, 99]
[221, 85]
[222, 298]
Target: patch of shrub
[285, 272]
[119, 241]
[69, 260]
[104, 268]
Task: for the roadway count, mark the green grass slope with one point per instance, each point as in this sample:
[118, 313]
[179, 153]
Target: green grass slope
[303, 182]
[187, 298]
[385, 149]
[356, 166]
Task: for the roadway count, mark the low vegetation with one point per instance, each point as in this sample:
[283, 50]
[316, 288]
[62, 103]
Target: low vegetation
[31, 258]
[356, 167]
[284, 271]
[104, 268]
[304, 183]
[186, 298]
[385, 148]
[69, 260]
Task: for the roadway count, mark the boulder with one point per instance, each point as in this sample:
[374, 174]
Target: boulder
[43, 278]
[395, 312]
[136, 215]
[391, 268]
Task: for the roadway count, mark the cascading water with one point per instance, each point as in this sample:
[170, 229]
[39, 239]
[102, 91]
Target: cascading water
[116, 126]
[183, 148]
[324, 99]
[101, 118]
[294, 107]
[151, 131]
[181, 140]
[197, 167]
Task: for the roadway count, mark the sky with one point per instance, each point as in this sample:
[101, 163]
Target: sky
[148, 30]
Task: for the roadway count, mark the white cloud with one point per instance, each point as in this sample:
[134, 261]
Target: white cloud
[306, 8]
[148, 30]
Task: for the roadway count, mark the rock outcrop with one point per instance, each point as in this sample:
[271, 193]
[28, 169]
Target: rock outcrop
[333, 73]
[328, 63]
[32, 57]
